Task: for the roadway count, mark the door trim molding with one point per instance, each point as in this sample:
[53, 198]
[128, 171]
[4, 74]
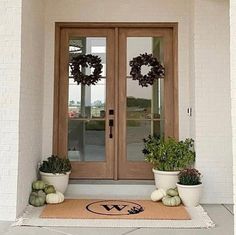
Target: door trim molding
[115, 25]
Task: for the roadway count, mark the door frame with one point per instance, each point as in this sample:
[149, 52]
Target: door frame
[59, 26]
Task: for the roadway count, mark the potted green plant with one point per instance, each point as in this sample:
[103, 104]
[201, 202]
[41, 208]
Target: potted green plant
[168, 157]
[190, 186]
[55, 171]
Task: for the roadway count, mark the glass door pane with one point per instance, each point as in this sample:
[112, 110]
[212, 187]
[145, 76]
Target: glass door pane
[144, 105]
[87, 105]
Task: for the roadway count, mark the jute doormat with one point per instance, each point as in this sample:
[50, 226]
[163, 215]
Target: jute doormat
[114, 209]
[199, 219]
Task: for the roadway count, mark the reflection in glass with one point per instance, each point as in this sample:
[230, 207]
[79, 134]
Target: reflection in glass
[145, 105]
[86, 104]
[148, 100]
[136, 132]
[86, 140]
[94, 100]
[87, 101]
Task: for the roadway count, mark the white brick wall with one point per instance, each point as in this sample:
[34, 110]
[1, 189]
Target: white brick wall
[203, 48]
[31, 98]
[10, 49]
[21, 94]
[212, 99]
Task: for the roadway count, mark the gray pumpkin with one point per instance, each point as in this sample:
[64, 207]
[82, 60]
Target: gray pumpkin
[37, 198]
[172, 192]
[38, 185]
[49, 189]
[171, 201]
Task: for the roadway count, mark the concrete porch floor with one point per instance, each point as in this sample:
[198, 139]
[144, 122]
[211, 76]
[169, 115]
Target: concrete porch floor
[222, 215]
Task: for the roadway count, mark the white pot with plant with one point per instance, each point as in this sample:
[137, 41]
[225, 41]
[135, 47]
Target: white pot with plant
[190, 187]
[55, 171]
[168, 157]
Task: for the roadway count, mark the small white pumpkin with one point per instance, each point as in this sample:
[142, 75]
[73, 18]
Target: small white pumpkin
[171, 201]
[158, 194]
[54, 198]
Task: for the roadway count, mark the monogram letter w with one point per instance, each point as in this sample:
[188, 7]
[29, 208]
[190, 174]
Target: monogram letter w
[117, 207]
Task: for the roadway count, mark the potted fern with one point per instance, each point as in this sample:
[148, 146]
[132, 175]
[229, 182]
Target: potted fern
[168, 157]
[190, 186]
[55, 171]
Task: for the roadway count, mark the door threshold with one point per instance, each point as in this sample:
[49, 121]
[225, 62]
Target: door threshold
[115, 182]
[110, 189]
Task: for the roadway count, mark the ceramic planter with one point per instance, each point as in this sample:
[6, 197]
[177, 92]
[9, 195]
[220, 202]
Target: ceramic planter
[59, 181]
[165, 179]
[190, 194]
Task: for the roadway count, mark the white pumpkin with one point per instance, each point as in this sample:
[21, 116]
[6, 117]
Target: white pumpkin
[158, 194]
[54, 198]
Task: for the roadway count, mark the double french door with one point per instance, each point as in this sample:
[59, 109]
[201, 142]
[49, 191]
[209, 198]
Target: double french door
[101, 127]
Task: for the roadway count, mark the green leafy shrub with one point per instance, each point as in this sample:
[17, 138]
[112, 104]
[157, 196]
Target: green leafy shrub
[54, 165]
[169, 154]
[189, 176]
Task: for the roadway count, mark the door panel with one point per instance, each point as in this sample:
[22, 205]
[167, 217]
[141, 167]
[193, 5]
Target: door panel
[142, 111]
[83, 110]
[101, 127]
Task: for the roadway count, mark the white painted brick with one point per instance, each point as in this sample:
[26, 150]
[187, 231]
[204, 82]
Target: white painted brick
[212, 98]
[31, 98]
[7, 213]
[8, 199]
[10, 38]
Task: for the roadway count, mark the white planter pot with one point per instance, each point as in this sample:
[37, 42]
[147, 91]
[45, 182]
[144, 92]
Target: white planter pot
[165, 179]
[59, 181]
[190, 194]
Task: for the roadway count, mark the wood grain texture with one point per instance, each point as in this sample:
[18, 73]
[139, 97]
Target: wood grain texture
[56, 89]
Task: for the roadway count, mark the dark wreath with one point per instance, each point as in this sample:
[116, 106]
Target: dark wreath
[83, 61]
[156, 71]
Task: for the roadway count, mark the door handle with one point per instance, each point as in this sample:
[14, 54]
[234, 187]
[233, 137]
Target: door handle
[111, 124]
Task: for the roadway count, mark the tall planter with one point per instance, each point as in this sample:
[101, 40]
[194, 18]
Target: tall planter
[59, 181]
[165, 179]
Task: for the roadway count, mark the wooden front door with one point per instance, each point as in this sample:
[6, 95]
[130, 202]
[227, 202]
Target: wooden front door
[101, 127]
